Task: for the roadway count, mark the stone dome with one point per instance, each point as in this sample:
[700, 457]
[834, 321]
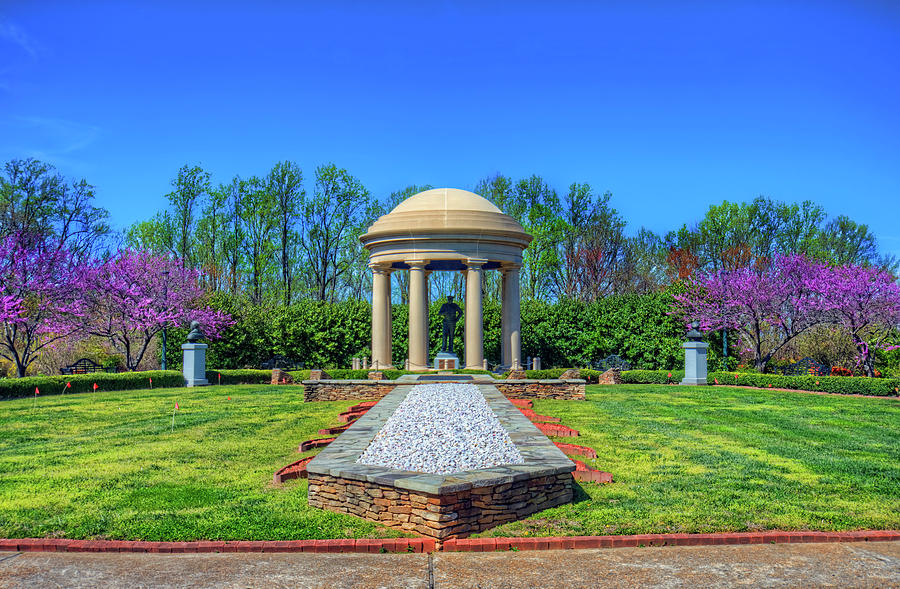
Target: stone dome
[446, 199]
[445, 224]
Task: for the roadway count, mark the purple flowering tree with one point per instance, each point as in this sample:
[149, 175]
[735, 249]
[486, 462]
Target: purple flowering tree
[41, 298]
[767, 307]
[866, 303]
[132, 301]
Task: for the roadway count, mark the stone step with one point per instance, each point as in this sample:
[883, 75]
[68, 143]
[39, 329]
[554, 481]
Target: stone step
[294, 470]
[586, 474]
[535, 417]
[316, 443]
[555, 429]
[570, 449]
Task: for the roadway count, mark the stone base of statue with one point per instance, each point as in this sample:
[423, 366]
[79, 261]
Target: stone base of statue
[694, 362]
[446, 361]
[194, 367]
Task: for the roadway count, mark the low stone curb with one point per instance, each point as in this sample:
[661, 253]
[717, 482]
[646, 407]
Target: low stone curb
[320, 546]
[419, 545]
[580, 542]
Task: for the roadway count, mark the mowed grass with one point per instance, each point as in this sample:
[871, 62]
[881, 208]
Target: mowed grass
[108, 465]
[685, 459]
[704, 459]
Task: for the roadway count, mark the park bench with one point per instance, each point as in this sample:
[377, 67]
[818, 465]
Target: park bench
[613, 361]
[282, 363]
[806, 367]
[85, 366]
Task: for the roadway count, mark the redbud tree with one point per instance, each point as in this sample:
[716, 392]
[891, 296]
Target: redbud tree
[866, 303]
[768, 306]
[41, 300]
[135, 295]
[771, 306]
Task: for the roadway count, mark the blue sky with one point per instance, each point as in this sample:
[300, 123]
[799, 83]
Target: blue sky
[670, 106]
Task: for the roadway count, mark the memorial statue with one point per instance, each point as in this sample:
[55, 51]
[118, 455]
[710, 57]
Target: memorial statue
[451, 313]
[195, 334]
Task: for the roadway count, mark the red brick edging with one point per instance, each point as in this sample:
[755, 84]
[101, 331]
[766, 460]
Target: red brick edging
[574, 542]
[320, 546]
[452, 545]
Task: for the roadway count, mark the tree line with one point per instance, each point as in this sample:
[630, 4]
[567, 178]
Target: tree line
[270, 239]
[274, 241]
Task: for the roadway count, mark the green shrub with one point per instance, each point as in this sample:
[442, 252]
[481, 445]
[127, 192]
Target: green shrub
[84, 383]
[241, 376]
[652, 376]
[844, 385]
[554, 373]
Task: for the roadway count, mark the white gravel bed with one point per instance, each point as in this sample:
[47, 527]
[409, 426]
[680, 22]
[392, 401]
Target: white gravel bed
[442, 428]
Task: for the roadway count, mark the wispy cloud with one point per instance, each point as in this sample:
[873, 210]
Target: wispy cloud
[65, 136]
[17, 36]
[53, 140]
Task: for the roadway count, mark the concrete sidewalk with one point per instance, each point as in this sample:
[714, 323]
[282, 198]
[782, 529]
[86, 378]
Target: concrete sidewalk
[869, 564]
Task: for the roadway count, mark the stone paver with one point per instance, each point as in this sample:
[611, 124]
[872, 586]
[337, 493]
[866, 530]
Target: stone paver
[856, 564]
[863, 564]
[133, 571]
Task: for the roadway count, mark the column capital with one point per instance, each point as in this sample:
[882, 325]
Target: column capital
[510, 267]
[416, 264]
[380, 268]
[476, 262]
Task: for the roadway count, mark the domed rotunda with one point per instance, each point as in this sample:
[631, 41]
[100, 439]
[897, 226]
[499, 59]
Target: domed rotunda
[445, 229]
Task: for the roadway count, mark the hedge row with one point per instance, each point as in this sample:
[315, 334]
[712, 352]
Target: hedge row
[11, 388]
[638, 328]
[551, 373]
[242, 376]
[844, 385]
[652, 376]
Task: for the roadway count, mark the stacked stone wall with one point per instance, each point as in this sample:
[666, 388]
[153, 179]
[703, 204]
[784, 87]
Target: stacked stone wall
[346, 390]
[567, 390]
[352, 390]
[451, 515]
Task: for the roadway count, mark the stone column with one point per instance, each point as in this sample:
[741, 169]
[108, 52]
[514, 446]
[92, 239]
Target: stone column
[381, 317]
[427, 306]
[505, 355]
[513, 316]
[474, 315]
[418, 346]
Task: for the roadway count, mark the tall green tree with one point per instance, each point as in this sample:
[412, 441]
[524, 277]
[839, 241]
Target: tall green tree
[156, 235]
[60, 214]
[188, 188]
[210, 236]
[331, 223]
[260, 223]
[285, 183]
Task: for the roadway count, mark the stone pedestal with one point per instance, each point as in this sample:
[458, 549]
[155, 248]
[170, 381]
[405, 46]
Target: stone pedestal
[694, 362]
[446, 361]
[194, 367]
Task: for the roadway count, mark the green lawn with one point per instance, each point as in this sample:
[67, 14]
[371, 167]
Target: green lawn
[691, 459]
[704, 459]
[108, 465]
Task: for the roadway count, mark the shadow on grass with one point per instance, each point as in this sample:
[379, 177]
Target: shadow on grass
[578, 493]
